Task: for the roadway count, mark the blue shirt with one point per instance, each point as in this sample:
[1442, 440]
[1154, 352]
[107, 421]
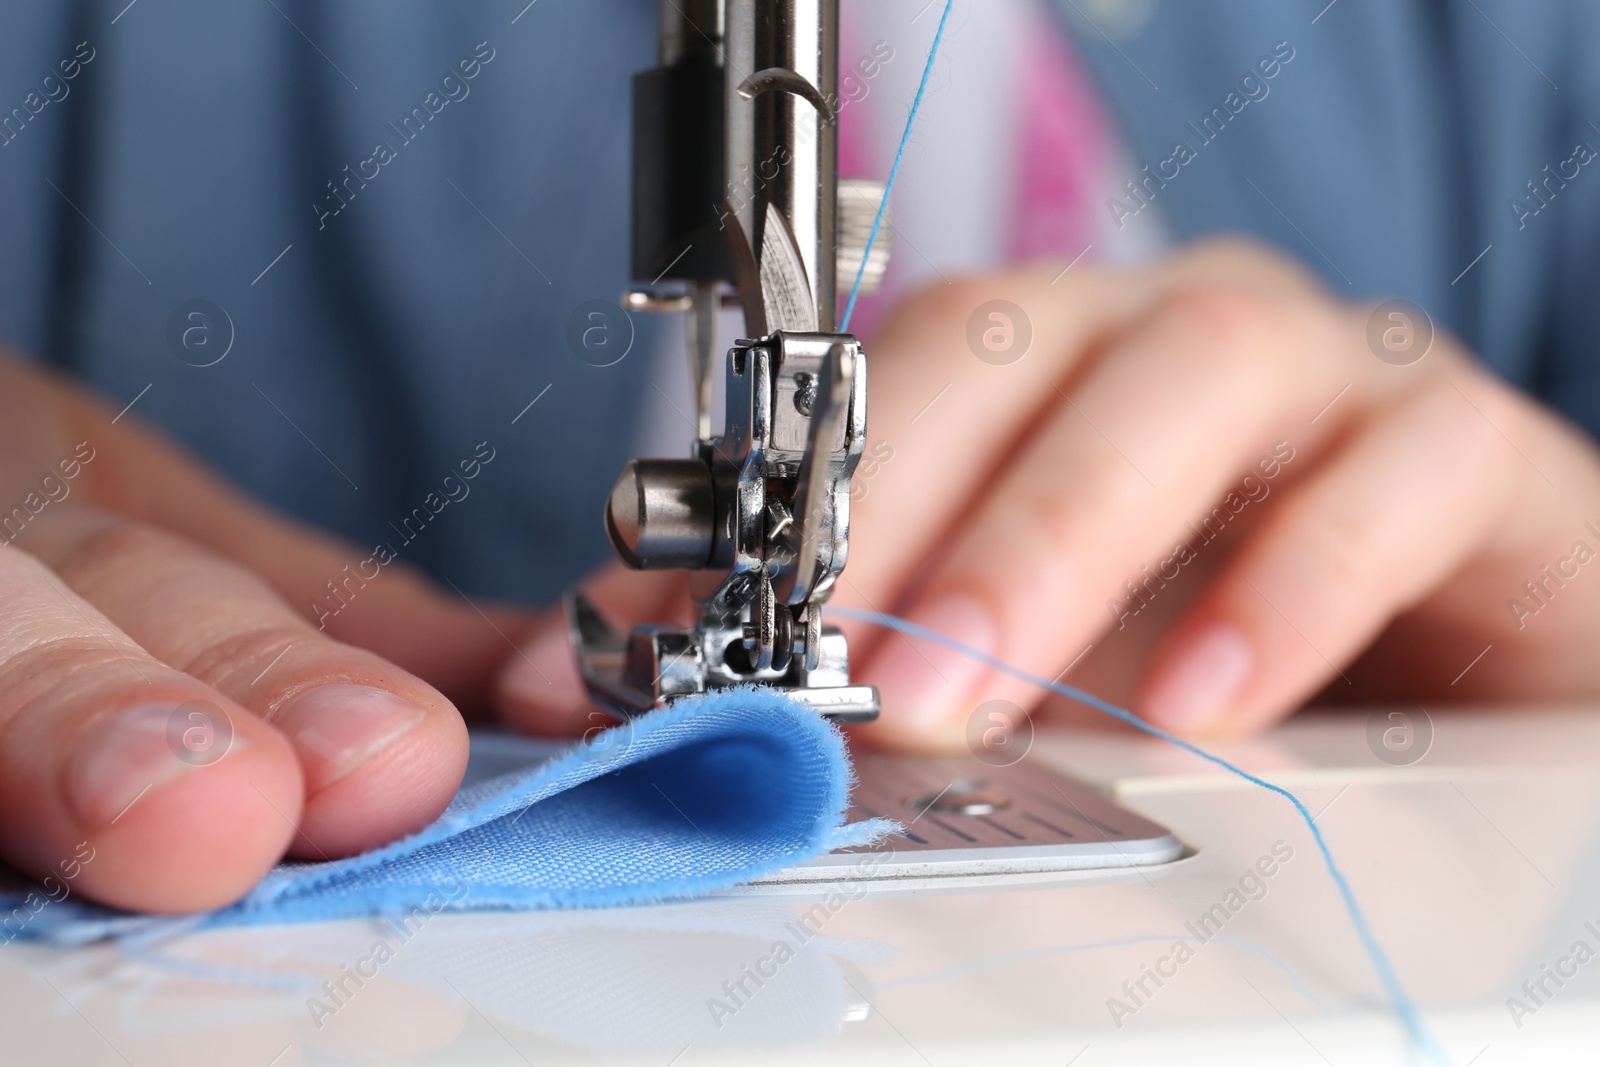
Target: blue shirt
[393, 210]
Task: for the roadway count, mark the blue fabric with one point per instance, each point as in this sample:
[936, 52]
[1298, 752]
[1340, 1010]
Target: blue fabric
[711, 792]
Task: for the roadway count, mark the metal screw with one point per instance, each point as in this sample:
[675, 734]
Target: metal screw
[805, 393]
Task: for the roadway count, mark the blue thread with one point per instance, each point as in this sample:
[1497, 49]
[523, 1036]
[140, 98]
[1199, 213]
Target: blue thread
[1421, 1036]
[894, 171]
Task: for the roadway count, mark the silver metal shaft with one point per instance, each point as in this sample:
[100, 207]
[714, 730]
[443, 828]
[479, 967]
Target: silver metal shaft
[782, 141]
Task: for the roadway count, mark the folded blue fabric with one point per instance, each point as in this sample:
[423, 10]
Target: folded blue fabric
[713, 791]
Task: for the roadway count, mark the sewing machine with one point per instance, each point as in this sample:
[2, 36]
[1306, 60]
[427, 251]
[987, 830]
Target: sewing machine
[1478, 860]
[736, 200]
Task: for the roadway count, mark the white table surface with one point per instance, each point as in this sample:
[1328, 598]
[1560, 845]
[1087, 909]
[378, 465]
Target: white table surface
[1477, 865]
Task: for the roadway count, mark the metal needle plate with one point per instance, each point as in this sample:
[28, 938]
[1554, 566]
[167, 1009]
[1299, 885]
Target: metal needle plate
[962, 817]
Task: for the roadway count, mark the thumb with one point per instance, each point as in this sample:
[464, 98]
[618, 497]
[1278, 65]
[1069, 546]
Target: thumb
[540, 690]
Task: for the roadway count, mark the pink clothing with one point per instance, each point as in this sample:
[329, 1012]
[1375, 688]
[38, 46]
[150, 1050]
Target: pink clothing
[1061, 146]
[1062, 143]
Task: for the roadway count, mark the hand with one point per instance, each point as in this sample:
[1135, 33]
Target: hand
[172, 720]
[1201, 472]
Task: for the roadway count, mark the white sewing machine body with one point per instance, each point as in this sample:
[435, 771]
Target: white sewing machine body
[1478, 865]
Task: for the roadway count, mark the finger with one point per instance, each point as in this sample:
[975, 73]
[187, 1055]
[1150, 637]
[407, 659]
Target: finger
[382, 751]
[1104, 486]
[366, 595]
[943, 420]
[540, 690]
[91, 790]
[925, 381]
[1386, 520]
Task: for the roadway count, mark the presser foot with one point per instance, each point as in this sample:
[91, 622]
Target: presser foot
[653, 665]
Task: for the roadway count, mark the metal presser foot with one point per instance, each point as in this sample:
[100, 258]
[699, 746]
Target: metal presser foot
[736, 201]
[762, 518]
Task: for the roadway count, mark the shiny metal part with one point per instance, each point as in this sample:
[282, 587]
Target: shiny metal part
[786, 300]
[858, 209]
[961, 818]
[631, 673]
[700, 301]
[782, 147]
[660, 514]
[760, 513]
[810, 647]
[822, 528]
[653, 300]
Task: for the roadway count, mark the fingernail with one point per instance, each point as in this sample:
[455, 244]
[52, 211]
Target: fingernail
[119, 760]
[1198, 688]
[924, 683]
[337, 728]
[545, 673]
